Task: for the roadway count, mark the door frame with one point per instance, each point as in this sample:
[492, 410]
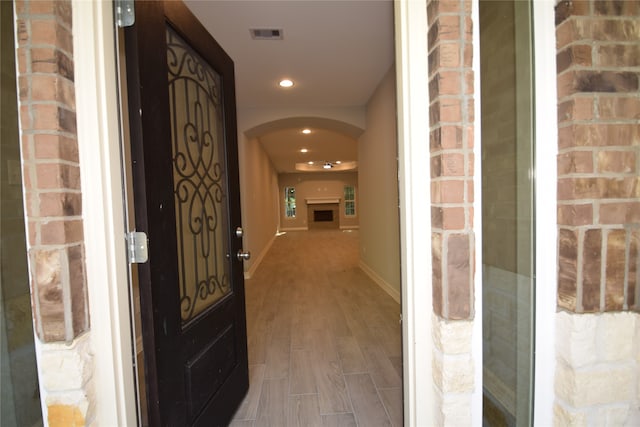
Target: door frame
[106, 262]
[103, 211]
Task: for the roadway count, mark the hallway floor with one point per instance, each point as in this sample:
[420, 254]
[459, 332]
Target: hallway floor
[324, 340]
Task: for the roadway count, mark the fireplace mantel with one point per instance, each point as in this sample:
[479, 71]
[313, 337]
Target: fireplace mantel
[323, 201]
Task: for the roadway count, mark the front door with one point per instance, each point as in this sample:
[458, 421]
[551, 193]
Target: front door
[181, 95]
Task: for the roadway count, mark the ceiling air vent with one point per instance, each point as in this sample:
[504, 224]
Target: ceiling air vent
[266, 33]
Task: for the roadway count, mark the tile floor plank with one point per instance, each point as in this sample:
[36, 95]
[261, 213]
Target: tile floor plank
[277, 363]
[392, 401]
[339, 420]
[351, 356]
[274, 402]
[367, 407]
[315, 320]
[304, 411]
[249, 407]
[302, 378]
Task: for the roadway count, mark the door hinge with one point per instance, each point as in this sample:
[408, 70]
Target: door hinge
[137, 247]
[125, 13]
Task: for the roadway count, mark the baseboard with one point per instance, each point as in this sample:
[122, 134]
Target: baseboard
[295, 229]
[256, 263]
[349, 227]
[393, 293]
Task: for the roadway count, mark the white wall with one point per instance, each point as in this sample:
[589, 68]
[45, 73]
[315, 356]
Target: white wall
[378, 185]
[259, 199]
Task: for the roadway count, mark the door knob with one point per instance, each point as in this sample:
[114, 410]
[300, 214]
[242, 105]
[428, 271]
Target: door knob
[243, 256]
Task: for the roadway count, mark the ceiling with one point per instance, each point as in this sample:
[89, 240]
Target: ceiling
[335, 51]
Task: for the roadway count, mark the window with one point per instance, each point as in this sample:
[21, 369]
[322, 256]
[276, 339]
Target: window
[289, 202]
[349, 200]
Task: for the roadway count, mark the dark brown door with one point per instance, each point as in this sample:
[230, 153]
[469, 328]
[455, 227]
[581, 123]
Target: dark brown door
[186, 193]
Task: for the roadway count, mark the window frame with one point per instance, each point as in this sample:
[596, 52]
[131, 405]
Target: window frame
[288, 201]
[349, 201]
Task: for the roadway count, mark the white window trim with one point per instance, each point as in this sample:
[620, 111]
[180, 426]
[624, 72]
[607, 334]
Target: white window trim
[546, 150]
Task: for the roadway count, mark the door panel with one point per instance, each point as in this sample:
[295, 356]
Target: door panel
[186, 197]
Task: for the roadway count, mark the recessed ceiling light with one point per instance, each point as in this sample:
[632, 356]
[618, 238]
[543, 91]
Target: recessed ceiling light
[306, 131]
[310, 163]
[286, 83]
[338, 162]
[304, 150]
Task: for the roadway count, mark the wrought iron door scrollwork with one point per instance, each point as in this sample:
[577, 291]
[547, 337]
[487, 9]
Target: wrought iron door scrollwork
[199, 177]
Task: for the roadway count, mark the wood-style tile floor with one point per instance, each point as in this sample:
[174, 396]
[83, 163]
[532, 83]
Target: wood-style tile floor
[324, 340]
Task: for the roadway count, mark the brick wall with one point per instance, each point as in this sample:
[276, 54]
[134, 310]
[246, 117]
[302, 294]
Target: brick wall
[598, 335]
[451, 146]
[451, 143]
[53, 201]
[51, 170]
[598, 63]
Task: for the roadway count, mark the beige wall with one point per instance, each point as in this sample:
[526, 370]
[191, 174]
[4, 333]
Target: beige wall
[378, 178]
[316, 185]
[259, 198]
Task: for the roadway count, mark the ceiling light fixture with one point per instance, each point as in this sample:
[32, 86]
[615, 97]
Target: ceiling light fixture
[306, 131]
[327, 165]
[304, 150]
[286, 83]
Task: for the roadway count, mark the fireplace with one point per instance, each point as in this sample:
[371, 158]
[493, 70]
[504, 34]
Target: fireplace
[323, 213]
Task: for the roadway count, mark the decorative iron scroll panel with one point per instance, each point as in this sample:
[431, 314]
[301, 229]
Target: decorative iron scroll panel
[198, 178]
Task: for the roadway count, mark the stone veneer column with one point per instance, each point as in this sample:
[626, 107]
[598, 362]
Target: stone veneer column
[451, 145]
[53, 200]
[598, 65]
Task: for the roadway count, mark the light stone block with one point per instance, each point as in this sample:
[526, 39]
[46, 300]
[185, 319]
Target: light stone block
[453, 374]
[456, 410]
[614, 335]
[563, 416]
[634, 416]
[615, 415]
[607, 416]
[65, 367]
[66, 376]
[438, 406]
[452, 337]
[575, 338]
[598, 385]
[636, 339]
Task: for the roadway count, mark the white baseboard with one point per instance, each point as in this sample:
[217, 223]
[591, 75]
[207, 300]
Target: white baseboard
[393, 293]
[295, 229]
[256, 263]
[349, 227]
